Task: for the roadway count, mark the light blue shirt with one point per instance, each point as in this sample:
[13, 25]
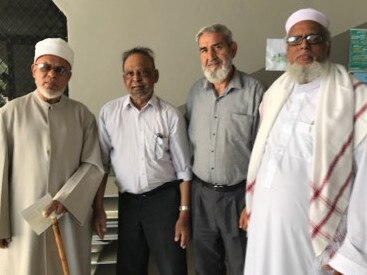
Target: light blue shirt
[222, 129]
[146, 147]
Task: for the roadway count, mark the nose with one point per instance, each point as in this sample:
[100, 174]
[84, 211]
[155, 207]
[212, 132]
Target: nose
[137, 76]
[52, 73]
[305, 44]
[212, 54]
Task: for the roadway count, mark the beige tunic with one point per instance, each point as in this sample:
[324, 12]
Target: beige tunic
[47, 149]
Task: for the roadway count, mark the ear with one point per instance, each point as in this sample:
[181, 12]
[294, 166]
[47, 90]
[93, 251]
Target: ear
[33, 69]
[156, 75]
[71, 73]
[233, 49]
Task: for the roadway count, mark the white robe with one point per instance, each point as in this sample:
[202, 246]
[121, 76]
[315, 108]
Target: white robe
[279, 239]
[47, 149]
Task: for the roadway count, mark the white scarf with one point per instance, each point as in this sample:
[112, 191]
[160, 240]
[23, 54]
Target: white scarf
[341, 124]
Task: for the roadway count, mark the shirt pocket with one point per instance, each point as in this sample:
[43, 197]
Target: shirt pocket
[239, 126]
[161, 148]
[302, 147]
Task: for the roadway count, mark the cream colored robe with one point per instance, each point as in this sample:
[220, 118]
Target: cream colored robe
[47, 149]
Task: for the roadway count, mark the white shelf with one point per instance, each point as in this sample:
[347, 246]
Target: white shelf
[106, 256]
[104, 251]
[111, 188]
[111, 208]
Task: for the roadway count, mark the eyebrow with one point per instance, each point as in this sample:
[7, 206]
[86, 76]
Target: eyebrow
[214, 45]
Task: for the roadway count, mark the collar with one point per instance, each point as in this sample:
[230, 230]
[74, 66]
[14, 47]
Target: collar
[153, 102]
[304, 88]
[45, 103]
[236, 82]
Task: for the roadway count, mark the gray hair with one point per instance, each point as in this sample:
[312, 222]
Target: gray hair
[216, 28]
[138, 50]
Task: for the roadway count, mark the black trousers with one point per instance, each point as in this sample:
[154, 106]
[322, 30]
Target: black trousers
[217, 240]
[147, 225]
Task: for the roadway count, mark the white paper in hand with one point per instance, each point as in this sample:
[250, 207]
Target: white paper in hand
[34, 214]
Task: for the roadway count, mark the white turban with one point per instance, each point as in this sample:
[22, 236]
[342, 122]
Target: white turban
[306, 14]
[54, 46]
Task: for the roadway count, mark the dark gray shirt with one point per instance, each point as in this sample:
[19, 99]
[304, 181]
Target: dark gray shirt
[222, 129]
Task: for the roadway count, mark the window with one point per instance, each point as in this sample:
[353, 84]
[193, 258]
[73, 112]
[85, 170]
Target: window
[22, 24]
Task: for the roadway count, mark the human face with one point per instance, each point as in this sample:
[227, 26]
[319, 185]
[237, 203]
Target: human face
[139, 76]
[306, 53]
[216, 55]
[50, 83]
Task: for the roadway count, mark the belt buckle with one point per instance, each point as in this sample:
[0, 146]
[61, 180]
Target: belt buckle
[218, 187]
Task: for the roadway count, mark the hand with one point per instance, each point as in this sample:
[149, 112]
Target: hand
[100, 221]
[4, 243]
[243, 221]
[182, 229]
[56, 207]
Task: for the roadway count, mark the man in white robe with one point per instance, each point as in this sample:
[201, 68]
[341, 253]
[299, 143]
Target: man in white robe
[48, 144]
[306, 187]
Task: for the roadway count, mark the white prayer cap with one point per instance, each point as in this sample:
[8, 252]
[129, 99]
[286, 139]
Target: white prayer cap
[54, 46]
[306, 14]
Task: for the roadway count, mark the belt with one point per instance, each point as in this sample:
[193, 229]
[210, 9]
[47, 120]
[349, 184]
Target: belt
[221, 188]
[150, 193]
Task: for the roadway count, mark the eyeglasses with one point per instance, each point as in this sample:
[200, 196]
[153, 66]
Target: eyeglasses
[312, 39]
[143, 73]
[60, 70]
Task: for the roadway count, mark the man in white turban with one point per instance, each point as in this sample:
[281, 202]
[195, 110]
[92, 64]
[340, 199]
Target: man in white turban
[306, 184]
[48, 145]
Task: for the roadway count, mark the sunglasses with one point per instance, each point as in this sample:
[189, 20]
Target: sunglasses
[60, 70]
[312, 39]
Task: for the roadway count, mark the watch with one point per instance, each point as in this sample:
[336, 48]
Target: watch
[184, 208]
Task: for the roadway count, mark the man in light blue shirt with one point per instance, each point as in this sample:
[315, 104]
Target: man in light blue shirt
[222, 110]
[144, 140]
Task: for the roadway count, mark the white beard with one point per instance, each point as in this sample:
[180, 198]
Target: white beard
[50, 94]
[307, 73]
[220, 74]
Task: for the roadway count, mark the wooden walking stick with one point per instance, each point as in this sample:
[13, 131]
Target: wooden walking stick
[60, 246]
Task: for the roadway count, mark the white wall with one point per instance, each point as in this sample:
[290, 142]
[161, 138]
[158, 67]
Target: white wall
[100, 30]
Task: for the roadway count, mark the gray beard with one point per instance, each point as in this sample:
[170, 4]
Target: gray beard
[51, 94]
[142, 94]
[220, 74]
[307, 73]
